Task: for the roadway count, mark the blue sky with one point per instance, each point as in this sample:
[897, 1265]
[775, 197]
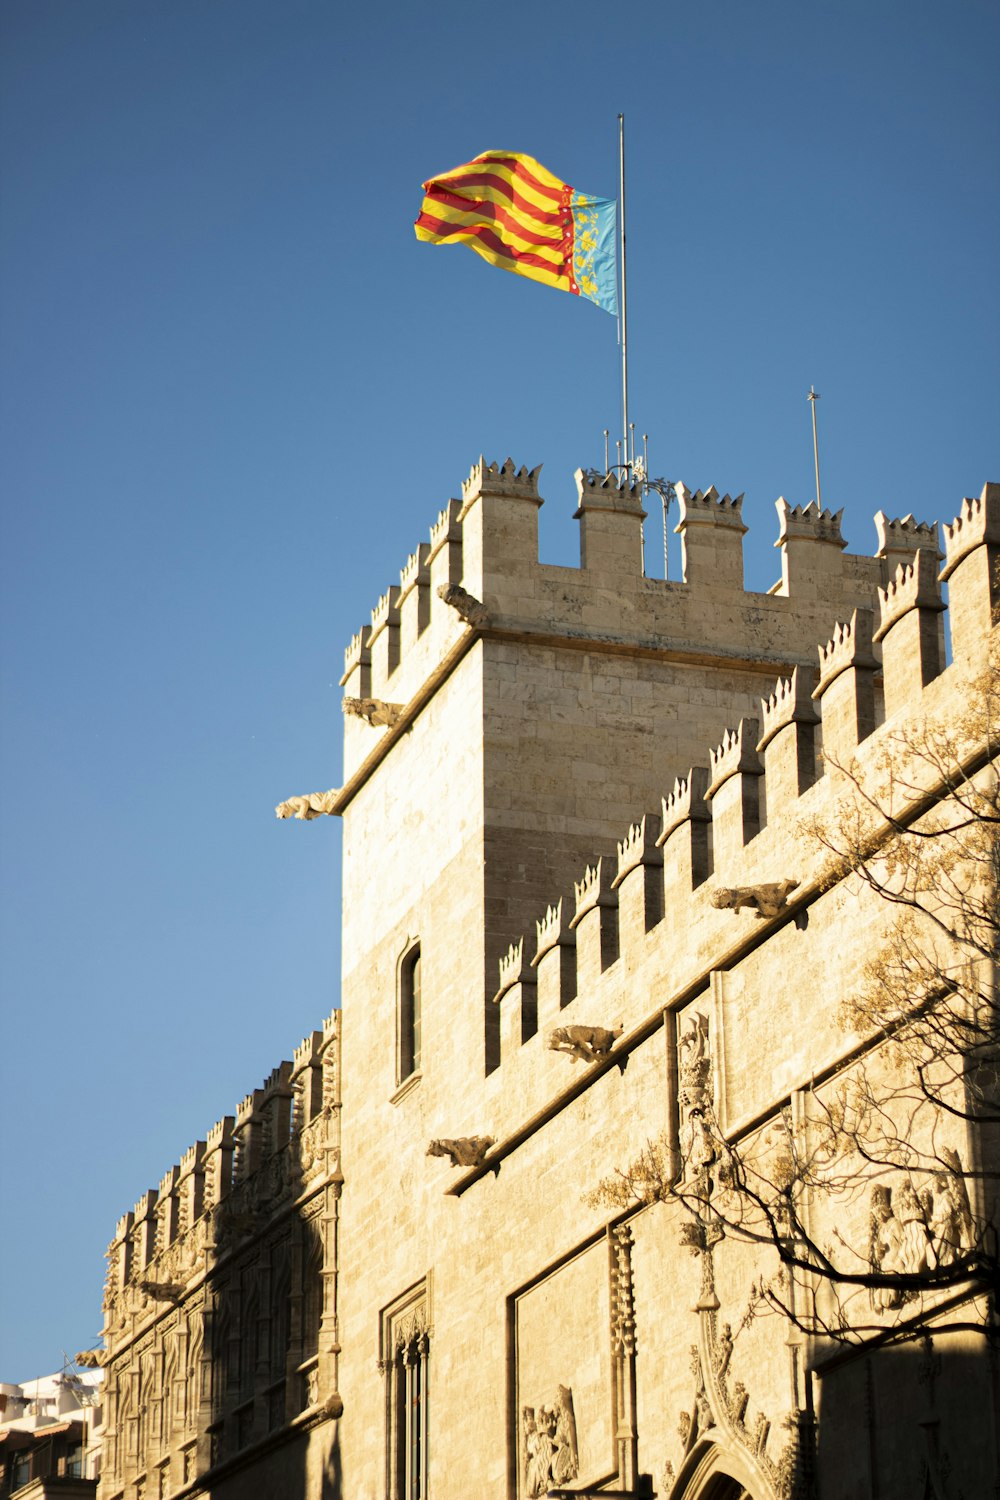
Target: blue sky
[235, 392]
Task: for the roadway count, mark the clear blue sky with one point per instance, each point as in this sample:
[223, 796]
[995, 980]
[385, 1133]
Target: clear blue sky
[236, 391]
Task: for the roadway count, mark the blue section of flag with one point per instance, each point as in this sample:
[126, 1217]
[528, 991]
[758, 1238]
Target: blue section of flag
[595, 267]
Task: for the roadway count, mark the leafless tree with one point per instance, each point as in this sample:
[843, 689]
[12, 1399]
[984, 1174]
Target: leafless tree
[877, 1189]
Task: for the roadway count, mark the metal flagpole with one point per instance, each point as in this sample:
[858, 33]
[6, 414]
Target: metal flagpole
[621, 185]
[812, 398]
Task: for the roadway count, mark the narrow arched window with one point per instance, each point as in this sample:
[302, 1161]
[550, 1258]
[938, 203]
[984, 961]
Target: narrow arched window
[408, 1026]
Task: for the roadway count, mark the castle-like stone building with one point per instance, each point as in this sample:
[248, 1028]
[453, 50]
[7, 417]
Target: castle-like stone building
[480, 1236]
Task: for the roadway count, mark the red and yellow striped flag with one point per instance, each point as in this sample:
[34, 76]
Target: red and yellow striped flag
[517, 215]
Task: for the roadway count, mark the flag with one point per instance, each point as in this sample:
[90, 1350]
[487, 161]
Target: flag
[514, 213]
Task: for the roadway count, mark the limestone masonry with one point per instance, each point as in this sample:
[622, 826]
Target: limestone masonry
[477, 1237]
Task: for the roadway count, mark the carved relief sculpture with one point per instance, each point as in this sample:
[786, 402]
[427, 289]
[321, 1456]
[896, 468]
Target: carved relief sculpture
[912, 1232]
[697, 1127]
[549, 1444]
[588, 1043]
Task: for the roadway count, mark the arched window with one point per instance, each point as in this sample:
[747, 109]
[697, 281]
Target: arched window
[408, 1015]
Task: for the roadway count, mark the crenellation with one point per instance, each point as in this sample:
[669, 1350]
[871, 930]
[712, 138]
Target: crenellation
[357, 677]
[277, 1108]
[517, 999]
[499, 479]
[846, 687]
[972, 570]
[900, 539]
[610, 513]
[191, 1184]
[414, 597]
[686, 836]
[734, 792]
[909, 630]
[444, 559]
[554, 961]
[167, 1209]
[329, 1056]
[144, 1230]
[248, 1135]
[711, 529]
[220, 1148]
[811, 543]
[788, 741]
[595, 922]
[383, 639]
[307, 1079]
[639, 880]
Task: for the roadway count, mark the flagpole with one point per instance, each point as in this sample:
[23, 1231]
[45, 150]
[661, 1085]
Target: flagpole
[621, 185]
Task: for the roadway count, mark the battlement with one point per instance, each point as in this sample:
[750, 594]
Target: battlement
[221, 1172]
[808, 523]
[710, 839]
[849, 646]
[500, 479]
[487, 544]
[905, 536]
[976, 525]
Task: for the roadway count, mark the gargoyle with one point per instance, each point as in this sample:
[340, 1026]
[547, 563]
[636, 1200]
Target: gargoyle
[89, 1359]
[466, 605]
[588, 1043]
[464, 1150]
[373, 711]
[764, 900]
[312, 805]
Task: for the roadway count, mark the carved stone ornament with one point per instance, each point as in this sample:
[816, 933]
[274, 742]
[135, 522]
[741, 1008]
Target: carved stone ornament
[718, 1413]
[548, 1438]
[588, 1043]
[162, 1291]
[700, 1142]
[466, 605]
[310, 805]
[764, 901]
[913, 1231]
[373, 711]
[89, 1359]
[463, 1150]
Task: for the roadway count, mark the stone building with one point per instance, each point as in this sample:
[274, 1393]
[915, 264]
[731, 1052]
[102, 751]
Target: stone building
[473, 1239]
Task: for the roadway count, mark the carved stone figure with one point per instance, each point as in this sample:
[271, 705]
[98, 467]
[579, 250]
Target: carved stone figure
[951, 1216]
[698, 1136]
[464, 1150]
[588, 1043]
[764, 900]
[550, 1446]
[885, 1241]
[88, 1359]
[373, 711]
[310, 805]
[466, 605]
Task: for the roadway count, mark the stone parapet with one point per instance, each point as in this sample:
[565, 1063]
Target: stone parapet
[788, 742]
[972, 570]
[610, 513]
[711, 529]
[734, 791]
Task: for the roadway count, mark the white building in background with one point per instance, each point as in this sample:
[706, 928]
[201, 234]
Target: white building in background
[50, 1435]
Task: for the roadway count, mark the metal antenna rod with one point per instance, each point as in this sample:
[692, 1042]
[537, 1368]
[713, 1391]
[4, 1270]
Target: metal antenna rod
[621, 186]
[812, 398]
[606, 459]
